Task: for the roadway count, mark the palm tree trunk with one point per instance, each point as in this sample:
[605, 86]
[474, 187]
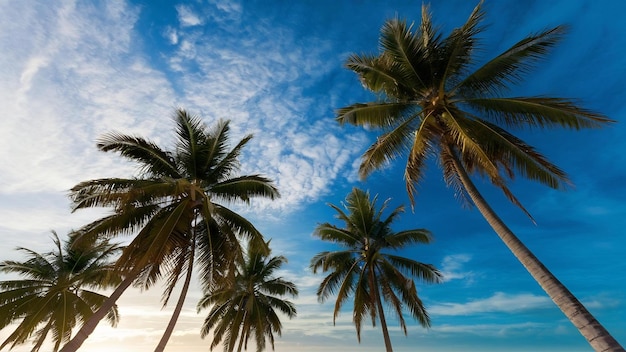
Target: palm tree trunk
[597, 336]
[179, 305]
[381, 311]
[91, 323]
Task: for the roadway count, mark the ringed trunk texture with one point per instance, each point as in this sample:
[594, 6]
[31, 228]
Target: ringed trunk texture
[90, 325]
[179, 307]
[597, 336]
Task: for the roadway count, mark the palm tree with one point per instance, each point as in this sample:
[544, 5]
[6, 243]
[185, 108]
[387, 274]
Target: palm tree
[249, 305]
[432, 104]
[56, 291]
[366, 269]
[176, 207]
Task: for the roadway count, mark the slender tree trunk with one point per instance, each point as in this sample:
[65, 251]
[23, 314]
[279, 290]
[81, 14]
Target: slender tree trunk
[179, 305]
[91, 323]
[381, 311]
[597, 336]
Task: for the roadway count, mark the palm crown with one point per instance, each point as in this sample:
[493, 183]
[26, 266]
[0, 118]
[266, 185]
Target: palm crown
[56, 291]
[248, 306]
[366, 266]
[433, 104]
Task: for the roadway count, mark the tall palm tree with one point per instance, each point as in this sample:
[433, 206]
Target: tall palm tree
[432, 104]
[177, 206]
[367, 268]
[56, 291]
[248, 306]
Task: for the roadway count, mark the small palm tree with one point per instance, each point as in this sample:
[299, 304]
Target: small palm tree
[432, 104]
[367, 268]
[248, 306]
[56, 291]
[177, 210]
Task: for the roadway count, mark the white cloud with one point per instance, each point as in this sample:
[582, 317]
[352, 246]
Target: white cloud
[303, 158]
[187, 17]
[452, 268]
[494, 329]
[498, 302]
[171, 35]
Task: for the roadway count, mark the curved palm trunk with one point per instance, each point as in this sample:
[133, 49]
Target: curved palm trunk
[597, 336]
[381, 312]
[91, 323]
[179, 306]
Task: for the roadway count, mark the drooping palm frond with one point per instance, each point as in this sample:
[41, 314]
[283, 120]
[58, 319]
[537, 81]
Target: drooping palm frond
[149, 156]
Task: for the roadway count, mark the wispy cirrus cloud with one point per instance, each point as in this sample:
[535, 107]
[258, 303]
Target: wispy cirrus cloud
[250, 82]
[452, 268]
[499, 302]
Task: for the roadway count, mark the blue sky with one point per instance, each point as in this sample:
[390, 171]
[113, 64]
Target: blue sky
[73, 70]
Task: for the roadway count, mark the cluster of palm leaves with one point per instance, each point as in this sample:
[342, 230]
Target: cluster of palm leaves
[57, 290]
[177, 212]
[431, 103]
[367, 267]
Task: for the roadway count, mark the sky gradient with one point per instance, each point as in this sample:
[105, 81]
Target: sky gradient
[73, 70]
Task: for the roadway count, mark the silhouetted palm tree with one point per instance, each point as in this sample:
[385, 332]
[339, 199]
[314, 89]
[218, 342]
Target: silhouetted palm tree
[56, 291]
[248, 306]
[433, 105]
[178, 206]
[367, 269]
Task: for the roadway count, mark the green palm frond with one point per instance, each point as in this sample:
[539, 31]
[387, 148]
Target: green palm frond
[537, 112]
[149, 156]
[407, 51]
[387, 147]
[372, 72]
[191, 143]
[511, 66]
[216, 143]
[244, 187]
[404, 238]
[373, 114]
[456, 50]
[228, 164]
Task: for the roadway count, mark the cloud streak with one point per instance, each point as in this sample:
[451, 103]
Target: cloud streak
[499, 302]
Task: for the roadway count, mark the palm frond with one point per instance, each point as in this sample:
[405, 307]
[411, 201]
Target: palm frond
[387, 147]
[149, 156]
[511, 66]
[227, 165]
[244, 187]
[537, 112]
[378, 114]
[457, 49]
